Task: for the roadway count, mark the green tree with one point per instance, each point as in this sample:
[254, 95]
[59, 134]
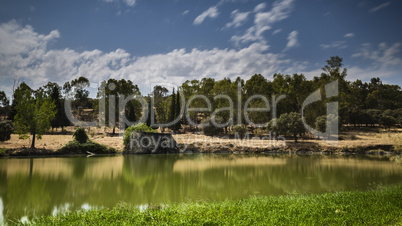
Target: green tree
[387, 121]
[130, 112]
[76, 89]
[160, 104]
[209, 128]
[4, 104]
[239, 130]
[35, 113]
[80, 135]
[6, 128]
[223, 87]
[3, 99]
[329, 124]
[172, 111]
[22, 87]
[111, 90]
[53, 90]
[177, 112]
[288, 124]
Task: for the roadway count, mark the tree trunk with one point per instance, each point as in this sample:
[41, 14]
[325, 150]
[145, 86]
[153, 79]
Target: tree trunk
[114, 130]
[295, 138]
[33, 140]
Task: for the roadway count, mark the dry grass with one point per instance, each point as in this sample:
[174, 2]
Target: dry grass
[349, 139]
[56, 141]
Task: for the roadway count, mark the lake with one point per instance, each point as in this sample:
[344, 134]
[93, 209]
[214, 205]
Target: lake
[44, 186]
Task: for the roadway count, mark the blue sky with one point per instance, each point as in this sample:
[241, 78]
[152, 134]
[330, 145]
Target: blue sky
[171, 41]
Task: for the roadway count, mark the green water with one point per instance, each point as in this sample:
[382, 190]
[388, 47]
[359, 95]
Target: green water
[44, 186]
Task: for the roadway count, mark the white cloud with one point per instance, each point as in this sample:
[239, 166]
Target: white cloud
[349, 35]
[383, 61]
[375, 9]
[292, 40]
[239, 18]
[276, 31]
[130, 3]
[185, 12]
[212, 12]
[24, 54]
[383, 57]
[260, 7]
[334, 44]
[263, 21]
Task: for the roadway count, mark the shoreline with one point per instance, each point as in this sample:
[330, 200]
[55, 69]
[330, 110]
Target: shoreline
[369, 150]
[352, 142]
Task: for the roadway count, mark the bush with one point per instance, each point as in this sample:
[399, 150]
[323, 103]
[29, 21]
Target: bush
[3, 151]
[80, 135]
[82, 145]
[76, 147]
[210, 129]
[6, 128]
[241, 130]
[330, 128]
[288, 124]
[387, 121]
[140, 127]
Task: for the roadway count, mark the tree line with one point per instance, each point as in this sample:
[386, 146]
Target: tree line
[360, 103]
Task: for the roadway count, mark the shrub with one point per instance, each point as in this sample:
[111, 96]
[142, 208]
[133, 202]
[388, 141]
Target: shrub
[241, 130]
[140, 127]
[82, 144]
[210, 129]
[6, 128]
[387, 121]
[80, 135]
[330, 127]
[288, 124]
[3, 151]
[92, 133]
[77, 147]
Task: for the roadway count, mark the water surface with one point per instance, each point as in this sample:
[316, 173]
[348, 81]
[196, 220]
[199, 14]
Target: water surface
[45, 186]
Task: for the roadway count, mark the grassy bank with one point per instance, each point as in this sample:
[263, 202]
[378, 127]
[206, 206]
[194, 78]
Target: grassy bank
[377, 207]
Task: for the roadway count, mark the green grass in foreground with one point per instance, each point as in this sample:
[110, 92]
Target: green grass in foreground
[382, 206]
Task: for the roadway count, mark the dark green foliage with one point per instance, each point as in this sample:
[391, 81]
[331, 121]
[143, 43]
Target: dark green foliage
[130, 112]
[112, 90]
[53, 90]
[6, 128]
[82, 145]
[3, 99]
[177, 126]
[387, 121]
[239, 130]
[80, 135]
[376, 207]
[210, 129]
[75, 147]
[172, 112]
[288, 125]
[150, 114]
[327, 124]
[140, 127]
[35, 112]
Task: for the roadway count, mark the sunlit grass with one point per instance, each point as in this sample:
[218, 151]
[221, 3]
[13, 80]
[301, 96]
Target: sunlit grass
[375, 207]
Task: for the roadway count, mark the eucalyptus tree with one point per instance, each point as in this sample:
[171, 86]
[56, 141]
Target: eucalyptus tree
[110, 91]
[35, 112]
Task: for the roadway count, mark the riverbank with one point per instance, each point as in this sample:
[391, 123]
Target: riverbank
[374, 207]
[379, 142]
